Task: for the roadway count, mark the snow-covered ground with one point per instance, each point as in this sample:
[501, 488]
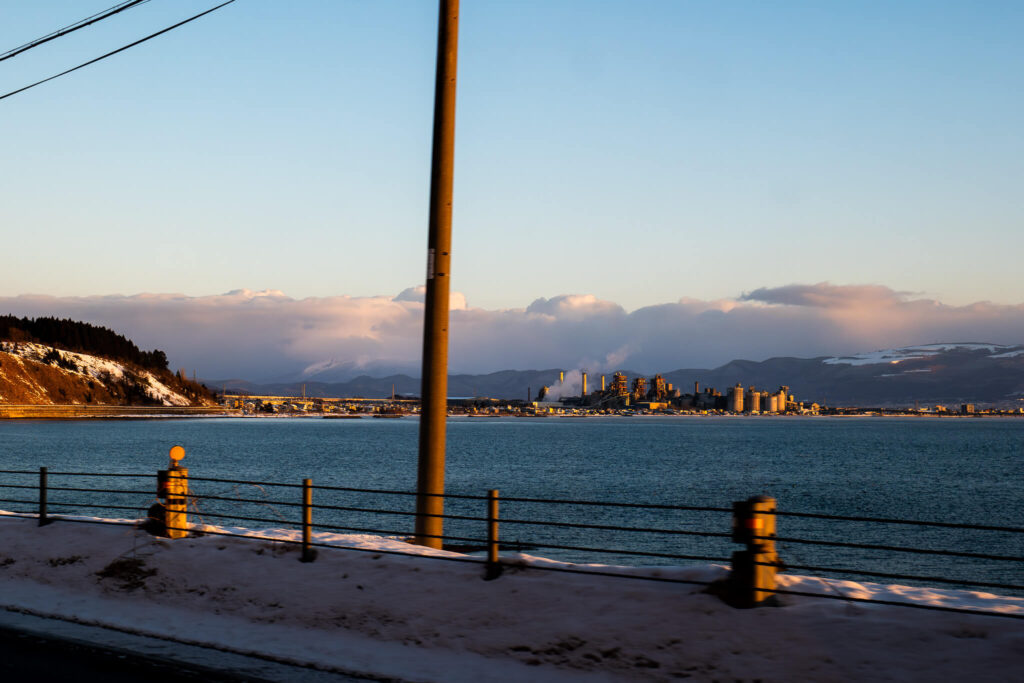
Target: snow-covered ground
[419, 618]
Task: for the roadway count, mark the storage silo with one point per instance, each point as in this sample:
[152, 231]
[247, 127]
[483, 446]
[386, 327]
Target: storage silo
[753, 402]
[736, 398]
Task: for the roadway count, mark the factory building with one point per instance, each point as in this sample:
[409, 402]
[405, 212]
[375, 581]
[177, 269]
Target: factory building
[639, 391]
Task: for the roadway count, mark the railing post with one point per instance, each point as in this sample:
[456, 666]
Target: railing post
[177, 492]
[43, 521]
[752, 581]
[308, 553]
[493, 570]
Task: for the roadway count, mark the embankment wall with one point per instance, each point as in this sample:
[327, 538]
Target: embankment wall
[70, 412]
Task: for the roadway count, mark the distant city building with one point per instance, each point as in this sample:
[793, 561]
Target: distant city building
[658, 394]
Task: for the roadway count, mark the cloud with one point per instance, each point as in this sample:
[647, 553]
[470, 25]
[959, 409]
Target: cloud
[456, 300]
[267, 336]
[826, 295]
[574, 306]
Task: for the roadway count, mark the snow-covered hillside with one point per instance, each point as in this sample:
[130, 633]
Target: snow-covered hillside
[413, 618]
[39, 374]
[894, 356]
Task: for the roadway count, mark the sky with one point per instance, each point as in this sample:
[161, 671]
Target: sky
[638, 154]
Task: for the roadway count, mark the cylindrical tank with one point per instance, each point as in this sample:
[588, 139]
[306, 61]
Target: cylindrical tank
[736, 399]
[753, 400]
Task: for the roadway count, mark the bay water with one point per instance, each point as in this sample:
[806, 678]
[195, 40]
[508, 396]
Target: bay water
[965, 470]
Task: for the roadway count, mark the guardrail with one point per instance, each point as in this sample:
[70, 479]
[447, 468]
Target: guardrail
[752, 523]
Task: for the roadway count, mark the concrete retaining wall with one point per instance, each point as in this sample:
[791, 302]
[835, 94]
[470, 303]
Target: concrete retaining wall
[67, 412]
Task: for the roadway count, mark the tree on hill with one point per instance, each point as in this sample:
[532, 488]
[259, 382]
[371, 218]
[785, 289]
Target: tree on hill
[72, 335]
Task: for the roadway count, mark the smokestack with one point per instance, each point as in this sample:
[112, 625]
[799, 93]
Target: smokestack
[584, 373]
[602, 383]
[696, 388]
[561, 376]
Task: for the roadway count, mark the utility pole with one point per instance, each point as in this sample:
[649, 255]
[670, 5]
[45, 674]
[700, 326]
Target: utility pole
[434, 412]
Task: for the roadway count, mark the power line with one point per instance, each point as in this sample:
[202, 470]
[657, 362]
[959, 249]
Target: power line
[120, 49]
[50, 36]
[71, 28]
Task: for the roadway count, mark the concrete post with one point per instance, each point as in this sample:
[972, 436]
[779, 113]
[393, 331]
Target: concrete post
[176, 505]
[753, 570]
[493, 564]
[176, 502]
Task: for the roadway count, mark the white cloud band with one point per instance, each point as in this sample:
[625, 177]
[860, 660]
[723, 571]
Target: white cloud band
[266, 336]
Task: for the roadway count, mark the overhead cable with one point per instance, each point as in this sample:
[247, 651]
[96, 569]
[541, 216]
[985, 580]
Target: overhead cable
[121, 49]
[71, 28]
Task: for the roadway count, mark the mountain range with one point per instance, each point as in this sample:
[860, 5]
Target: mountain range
[946, 373]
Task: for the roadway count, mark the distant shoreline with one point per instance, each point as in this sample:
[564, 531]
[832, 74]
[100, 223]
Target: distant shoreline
[76, 413]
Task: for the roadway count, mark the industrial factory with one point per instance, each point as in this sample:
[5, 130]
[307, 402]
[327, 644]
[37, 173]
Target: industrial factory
[657, 394]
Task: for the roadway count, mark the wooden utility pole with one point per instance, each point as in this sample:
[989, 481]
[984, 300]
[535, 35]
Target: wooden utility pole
[434, 394]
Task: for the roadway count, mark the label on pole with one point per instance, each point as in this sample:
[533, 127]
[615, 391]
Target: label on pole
[430, 264]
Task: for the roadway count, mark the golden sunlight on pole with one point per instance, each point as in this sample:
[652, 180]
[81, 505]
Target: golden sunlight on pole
[434, 394]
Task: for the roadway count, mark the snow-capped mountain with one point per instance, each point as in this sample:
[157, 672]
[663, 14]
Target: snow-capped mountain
[941, 373]
[344, 371]
[895, 356]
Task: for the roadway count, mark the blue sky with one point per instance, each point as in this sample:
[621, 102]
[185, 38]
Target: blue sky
[641, 152]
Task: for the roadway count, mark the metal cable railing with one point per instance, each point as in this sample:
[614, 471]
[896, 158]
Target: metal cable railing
[576, 534]
[894, 548]
[889, 520]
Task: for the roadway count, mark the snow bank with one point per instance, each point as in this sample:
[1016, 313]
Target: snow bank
[421, 618]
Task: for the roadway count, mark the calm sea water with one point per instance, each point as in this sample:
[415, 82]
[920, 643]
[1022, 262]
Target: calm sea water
[962, 470]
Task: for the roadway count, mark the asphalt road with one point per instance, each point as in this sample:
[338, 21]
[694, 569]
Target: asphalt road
[41, 650]
[33, 657]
